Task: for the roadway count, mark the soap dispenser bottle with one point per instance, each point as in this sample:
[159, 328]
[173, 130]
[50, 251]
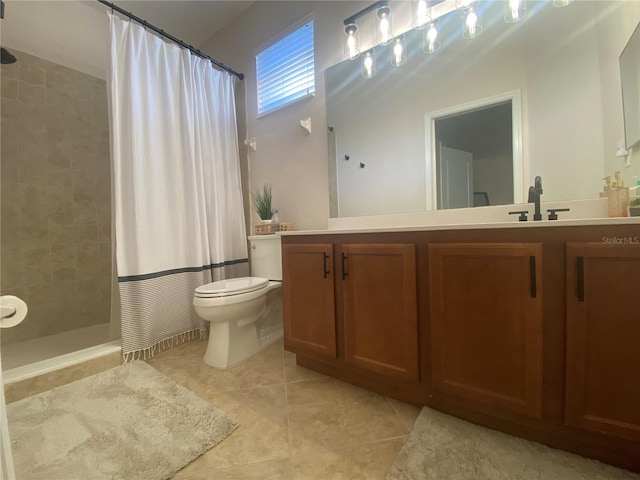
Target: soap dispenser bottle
[275, 218]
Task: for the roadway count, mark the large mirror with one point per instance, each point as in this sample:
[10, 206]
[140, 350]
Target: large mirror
[552, 80]
[630, 73]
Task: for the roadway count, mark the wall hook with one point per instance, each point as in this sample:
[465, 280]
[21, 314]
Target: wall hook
[346, 157]
[306, 124]
[361, 165]
[251, 143]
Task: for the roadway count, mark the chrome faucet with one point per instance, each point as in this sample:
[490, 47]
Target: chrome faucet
[534, 197]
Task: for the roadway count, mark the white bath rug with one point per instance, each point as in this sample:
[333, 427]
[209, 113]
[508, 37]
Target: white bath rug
[442, 447]
[129, 422]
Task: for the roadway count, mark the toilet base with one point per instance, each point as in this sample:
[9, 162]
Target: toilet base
[220, 355]
[258, 326]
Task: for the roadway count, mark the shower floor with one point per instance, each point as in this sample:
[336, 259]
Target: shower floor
[31, 351]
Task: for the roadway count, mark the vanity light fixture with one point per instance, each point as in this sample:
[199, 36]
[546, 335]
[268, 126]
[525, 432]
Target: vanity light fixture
[399, 53]
[430, 43]
[351, 47]
[384, 33]
[368, 65]
[421, 17]
[424, 17]
[515, 10]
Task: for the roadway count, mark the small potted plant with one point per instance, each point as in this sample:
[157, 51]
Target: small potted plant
[634, 207]
[262, 203]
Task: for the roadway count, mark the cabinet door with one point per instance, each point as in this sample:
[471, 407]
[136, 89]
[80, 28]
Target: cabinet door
[380, 308]
[308, 297]
[603, 338]
[486, 324]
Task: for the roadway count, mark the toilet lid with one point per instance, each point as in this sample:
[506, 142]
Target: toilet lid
[232, 286]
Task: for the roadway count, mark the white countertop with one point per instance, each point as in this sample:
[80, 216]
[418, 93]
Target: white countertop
[635, 221]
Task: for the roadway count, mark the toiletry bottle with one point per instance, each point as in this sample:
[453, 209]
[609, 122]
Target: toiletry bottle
[607, 185]
[275, 218]
[618, 198]
[619, 182]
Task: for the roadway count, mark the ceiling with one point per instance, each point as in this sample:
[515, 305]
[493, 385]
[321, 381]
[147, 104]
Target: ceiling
[194, 22]
[75, 33]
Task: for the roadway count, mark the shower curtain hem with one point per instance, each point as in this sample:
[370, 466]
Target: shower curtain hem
[166, 344]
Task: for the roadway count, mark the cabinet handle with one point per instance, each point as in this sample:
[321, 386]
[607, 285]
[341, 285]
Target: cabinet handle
[532, 272]
[344, 267]
[325, 268]
[581, 279]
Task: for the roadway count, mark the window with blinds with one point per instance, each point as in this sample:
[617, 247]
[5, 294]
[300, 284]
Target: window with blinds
[285, 70]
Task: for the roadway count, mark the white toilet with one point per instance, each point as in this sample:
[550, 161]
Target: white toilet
[245, 313]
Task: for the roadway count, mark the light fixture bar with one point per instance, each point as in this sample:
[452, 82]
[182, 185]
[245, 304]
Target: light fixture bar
[436, 11]
[364, 11]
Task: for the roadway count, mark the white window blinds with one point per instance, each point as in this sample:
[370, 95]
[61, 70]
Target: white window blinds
[285, 70]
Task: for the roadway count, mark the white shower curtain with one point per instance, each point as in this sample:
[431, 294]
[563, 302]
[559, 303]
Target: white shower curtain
[178, 198]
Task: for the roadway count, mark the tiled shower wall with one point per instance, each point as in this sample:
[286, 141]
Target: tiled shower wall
[55, 196]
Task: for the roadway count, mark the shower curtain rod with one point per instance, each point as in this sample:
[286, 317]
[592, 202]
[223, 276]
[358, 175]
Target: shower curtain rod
[162, 33]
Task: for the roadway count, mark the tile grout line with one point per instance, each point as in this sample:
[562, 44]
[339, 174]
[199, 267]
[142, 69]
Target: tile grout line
[230, 467]
[409, 429]
[286, 411]
[352, 445]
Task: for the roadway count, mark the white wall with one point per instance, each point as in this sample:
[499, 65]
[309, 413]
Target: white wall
[294, 163]
[564, 138]
[73, 33]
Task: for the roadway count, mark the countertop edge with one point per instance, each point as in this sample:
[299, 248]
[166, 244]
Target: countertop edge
[474, 226]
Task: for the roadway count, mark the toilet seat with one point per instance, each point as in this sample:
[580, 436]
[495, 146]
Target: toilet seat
[231, 287]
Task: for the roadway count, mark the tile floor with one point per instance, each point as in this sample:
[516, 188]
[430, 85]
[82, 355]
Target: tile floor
[294, 423]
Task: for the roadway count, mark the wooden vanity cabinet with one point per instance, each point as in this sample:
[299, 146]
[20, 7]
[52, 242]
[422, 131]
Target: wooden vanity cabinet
[308, 299]
[379, 307]
[486, 324]
[356, 309]
[531, 331]
[603, 339]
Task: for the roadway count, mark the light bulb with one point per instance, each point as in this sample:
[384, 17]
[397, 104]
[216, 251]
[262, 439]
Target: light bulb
[384, 34]
[384, 28]
[368, 66]
[431, 43]
[397, 53]
[351, 45]
[514, 5]
[421, 18]
[351, 50]
[398, 56]
[516, 11]
[472, 24]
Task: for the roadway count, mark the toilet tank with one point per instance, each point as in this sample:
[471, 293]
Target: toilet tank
[266, 257]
